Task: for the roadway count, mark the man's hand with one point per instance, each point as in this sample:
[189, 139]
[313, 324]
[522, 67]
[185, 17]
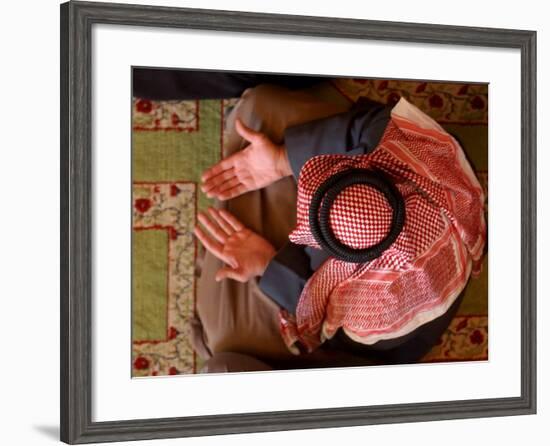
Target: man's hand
[245, 253]
[256, 166]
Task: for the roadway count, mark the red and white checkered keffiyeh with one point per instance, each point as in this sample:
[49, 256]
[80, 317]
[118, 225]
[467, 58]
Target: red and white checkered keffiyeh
[421, 274]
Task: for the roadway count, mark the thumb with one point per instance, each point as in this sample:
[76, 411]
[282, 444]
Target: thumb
[228, 272]
[246, 132]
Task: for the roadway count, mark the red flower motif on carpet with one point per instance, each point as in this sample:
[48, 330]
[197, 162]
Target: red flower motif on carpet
[144, 106]
[462, 324]
[421, 87]
[141, 363]
[174, 190]
[436, 101]
[142, 205]
[477, 103]
[175, 119]
[173, 371]
[172, 333]
[383, 85]
[172, 233]
[463, 90]
[477, 337]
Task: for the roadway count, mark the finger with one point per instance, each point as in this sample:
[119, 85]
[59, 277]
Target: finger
[214, 230]
[218, 180]
[229, 184]
[211, 245]
[214, 247]
[231, 273]
[216, 169]
[214, 213]
[233, 192]
[246, 132]
[232, 220]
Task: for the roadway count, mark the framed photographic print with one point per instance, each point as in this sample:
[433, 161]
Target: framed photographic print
[276, 222]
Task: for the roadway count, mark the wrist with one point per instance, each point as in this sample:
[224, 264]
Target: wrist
[268, 256]
[283, 165]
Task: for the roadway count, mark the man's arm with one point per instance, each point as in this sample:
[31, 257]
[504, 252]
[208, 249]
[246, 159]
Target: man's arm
[287, 273]
[247, 255]
[262, 162]
[258, 165]
[355, 132]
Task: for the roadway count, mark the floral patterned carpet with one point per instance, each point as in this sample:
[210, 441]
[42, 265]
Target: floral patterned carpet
[174, 141]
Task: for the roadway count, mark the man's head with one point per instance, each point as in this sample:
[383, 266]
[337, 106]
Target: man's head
[354, 212]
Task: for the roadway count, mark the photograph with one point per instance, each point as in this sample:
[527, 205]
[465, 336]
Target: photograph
[284, 221]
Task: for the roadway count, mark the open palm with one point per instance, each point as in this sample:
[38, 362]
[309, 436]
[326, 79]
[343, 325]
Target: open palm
[256, 166]
[245, 253]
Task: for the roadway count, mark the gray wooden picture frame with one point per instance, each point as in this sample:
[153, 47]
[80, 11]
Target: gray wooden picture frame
[77, 19]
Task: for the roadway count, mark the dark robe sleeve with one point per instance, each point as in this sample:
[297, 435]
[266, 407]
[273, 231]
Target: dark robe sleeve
[354, 132]
[287, 273]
